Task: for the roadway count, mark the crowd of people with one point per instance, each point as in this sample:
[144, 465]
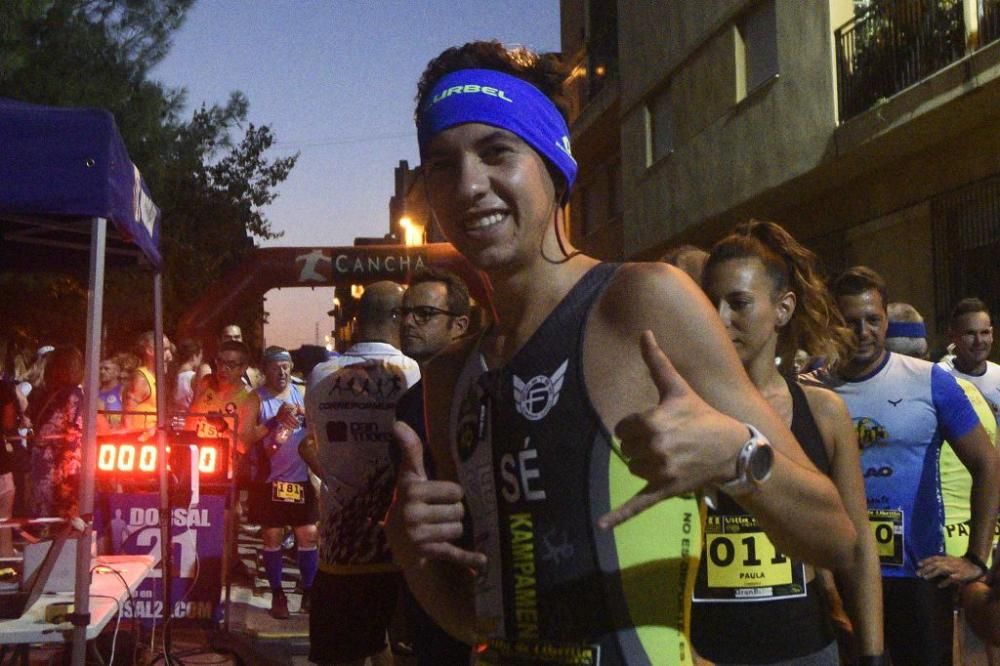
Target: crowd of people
[727, 459]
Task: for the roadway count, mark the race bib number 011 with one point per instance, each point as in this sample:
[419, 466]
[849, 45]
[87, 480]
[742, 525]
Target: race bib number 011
[287, 491]
[887, 526]
[741, 564]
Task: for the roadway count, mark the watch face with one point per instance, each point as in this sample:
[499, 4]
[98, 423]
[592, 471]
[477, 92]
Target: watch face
[761, 460]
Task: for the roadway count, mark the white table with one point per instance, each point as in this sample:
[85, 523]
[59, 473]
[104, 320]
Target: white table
[32, 627]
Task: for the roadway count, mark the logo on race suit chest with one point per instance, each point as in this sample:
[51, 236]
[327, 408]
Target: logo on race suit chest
[535, 398]
[870, 432]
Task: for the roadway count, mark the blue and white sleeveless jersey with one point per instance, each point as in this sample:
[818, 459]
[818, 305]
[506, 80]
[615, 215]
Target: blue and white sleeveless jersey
[902, 411]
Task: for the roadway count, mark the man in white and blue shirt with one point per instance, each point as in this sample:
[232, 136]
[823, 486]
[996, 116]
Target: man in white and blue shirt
[903, 408]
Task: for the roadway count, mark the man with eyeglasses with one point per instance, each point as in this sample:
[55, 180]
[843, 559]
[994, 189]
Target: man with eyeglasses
[222, 401]
[251, 377]
[350, 409]
[434, 314]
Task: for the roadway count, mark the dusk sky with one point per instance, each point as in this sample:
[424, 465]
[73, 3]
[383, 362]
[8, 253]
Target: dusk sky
[335, 80]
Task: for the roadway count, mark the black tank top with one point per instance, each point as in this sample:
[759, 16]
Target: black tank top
[538, 468]
[752, 605]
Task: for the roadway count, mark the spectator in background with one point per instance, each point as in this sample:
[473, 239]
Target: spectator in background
[252, 377]
[109, 396]
[434, 314]
[281, 493]
[906, 333]
[12, 406]
[971, 331]
[56, 410]
[189, 356]
[903, 408]
[35, 375]
[128, 365]
[141, 396]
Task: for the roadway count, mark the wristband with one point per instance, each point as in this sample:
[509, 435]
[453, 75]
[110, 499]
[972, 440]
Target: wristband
[873, 660]
[972, 557]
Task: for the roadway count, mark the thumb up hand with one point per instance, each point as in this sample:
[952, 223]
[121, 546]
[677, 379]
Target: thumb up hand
[425, 516]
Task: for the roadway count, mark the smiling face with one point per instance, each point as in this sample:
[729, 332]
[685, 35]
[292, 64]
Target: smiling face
[491, 193]
[865, 314]
[972, 334]
[749, 307]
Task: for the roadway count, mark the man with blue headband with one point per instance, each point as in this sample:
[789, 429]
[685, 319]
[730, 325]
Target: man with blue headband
[281, 493]
[584, 542]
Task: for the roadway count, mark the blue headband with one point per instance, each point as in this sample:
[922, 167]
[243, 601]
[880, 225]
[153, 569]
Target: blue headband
[277, 355]
[501, 100]
[906, 329]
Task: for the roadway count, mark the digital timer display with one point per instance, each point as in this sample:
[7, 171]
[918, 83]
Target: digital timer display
[123, 457]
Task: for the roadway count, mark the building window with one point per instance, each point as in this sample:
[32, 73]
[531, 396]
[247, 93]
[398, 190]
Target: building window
[659, 127]
[600, 198]
[966, 227]
[756, 37]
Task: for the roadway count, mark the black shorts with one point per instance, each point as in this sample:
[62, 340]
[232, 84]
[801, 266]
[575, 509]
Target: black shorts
[350, 615]
[266, 511]
[918, 621]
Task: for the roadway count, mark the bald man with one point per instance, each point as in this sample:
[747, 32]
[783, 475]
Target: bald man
[350, 409]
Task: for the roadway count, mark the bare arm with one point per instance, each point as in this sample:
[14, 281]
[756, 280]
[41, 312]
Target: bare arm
[859, 577]
[980, 458]
[982, 461]
[309, 453]
[798, 507]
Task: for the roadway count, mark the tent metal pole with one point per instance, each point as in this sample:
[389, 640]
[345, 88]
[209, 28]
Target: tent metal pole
[88, 463]
[162, 421]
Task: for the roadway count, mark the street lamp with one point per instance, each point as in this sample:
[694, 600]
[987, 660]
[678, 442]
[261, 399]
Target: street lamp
[413, 233]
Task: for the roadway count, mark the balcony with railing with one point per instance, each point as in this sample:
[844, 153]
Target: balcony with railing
[893, 44]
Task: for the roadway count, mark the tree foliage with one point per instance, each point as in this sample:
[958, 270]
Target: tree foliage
[210, 174]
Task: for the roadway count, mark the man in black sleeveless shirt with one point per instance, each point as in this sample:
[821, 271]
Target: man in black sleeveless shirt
[573, 351]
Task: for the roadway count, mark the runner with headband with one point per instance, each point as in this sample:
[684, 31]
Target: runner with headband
[752, 604]
[584, 543]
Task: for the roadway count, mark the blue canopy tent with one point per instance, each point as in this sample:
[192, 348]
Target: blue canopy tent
[64, 174]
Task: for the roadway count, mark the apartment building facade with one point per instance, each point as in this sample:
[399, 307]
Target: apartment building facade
[870, 129]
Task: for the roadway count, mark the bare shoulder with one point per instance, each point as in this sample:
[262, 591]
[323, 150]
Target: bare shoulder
[642, 294]
[827, 407]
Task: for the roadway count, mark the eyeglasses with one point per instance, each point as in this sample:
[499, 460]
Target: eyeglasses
[229, 365]
[421, 313]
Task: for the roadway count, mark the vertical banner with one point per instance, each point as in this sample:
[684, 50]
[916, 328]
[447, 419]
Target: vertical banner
[131, 527]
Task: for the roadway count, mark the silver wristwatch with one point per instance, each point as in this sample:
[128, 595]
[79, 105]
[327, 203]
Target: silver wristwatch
[753, 465]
